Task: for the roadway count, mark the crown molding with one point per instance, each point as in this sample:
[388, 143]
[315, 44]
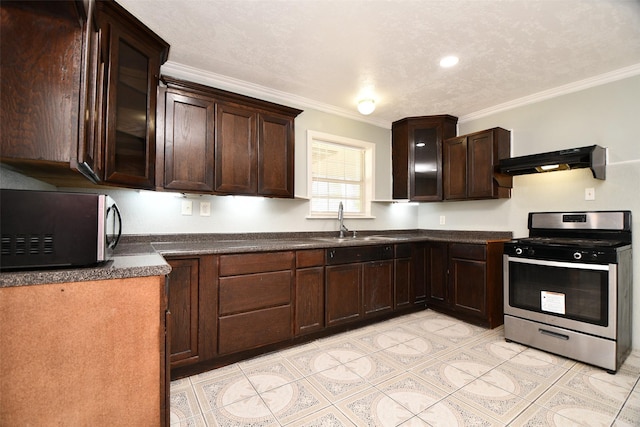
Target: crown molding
[622, 73]
[231, 84]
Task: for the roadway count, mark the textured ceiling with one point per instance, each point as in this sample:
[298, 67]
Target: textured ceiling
[328, 52]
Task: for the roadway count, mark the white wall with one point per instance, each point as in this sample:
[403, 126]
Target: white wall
[607, 115]
[151, 212]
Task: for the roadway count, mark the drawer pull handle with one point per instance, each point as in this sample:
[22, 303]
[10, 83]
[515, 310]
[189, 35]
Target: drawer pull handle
[554, 334]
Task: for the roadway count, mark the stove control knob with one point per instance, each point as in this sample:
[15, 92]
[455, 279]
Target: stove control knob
[518, 251]
[531, 252]
[577, 255]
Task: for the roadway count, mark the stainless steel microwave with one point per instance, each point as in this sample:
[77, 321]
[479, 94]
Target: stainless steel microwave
[45, 229]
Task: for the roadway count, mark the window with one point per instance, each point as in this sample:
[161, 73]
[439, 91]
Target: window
[340, 170]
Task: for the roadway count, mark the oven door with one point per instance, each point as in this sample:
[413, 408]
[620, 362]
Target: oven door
[571, 295]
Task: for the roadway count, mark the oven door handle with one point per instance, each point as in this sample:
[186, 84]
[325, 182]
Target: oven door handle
[573, 265]
[553, 334]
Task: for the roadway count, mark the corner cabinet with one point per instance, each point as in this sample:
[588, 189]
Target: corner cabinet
[465, 280]
[232, 144]
[133, 56]
[469, 165]
[417, 156]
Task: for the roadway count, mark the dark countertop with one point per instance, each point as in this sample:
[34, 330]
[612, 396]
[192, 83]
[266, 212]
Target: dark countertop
[139, 256]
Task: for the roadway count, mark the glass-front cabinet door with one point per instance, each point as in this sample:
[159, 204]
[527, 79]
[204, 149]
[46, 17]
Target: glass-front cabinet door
[417, 156]
[134, 56]
[427, 160]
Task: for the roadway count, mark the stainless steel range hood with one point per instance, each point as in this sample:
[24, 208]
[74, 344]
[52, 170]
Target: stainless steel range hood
[593, 157]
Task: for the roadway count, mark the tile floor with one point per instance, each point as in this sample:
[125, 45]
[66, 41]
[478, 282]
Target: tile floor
[422, 369]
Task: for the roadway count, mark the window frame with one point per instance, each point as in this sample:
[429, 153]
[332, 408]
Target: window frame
[369, 172]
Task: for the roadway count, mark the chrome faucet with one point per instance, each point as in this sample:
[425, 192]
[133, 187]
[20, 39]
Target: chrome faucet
[341, 219]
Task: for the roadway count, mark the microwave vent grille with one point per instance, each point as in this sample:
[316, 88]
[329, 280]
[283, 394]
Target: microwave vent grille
[22, 244]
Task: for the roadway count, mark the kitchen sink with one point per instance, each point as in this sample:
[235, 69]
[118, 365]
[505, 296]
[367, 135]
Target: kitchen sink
[359, 239]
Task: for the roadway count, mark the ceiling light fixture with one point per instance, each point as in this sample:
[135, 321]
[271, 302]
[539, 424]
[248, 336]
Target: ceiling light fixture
[449, 61]
[366, 106]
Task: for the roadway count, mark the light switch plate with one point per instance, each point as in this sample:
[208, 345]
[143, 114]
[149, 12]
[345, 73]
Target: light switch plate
[187, 207]
[205, 208]
[589, 193]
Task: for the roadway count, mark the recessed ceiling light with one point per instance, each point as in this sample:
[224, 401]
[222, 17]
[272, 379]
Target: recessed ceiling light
[449, 61]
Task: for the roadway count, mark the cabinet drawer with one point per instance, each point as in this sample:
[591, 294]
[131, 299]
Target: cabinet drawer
[468, 251]
[313, 258]
[254, 291]
[231, 265]
[245, 331]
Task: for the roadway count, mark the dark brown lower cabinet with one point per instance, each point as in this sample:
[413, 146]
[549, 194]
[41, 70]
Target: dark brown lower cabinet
[226, 307]
[192, 304]
[359, 283]
[309, 287]
[255, 306]
[377, 287]
[435, 271]
[465, 280]
[430, 260]
[403, 277]
[344, 293]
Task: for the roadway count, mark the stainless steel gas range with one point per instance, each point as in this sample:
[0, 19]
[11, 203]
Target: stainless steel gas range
[567, 287]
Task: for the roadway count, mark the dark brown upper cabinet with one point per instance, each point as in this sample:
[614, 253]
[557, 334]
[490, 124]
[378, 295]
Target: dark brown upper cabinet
[236, 149]
[231, 144]
[469, 165]
[133, 57]
[41, 67]
[78, 90]
[417, 156]
[187, 154]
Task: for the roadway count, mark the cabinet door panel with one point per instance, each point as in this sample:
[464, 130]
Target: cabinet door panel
[343, 294]
[189, 143]
[436, 271]
[253, 329]
[481, 161]
[377, 287]
[455, 168]
[236, 161]
[183, 305]
[402, 283]
[275, 156]
[469, 286]
[426, 172]
[40, 58]
[309, 305]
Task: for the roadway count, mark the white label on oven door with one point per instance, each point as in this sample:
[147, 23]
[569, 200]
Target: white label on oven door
[552, 302]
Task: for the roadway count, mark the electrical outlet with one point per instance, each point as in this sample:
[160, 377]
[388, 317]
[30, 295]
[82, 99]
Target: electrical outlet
[442, 220]
[205, 208]
[589, 193]
[187, 207]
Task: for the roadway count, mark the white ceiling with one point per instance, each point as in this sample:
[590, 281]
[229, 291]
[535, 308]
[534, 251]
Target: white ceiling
[326, 54]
